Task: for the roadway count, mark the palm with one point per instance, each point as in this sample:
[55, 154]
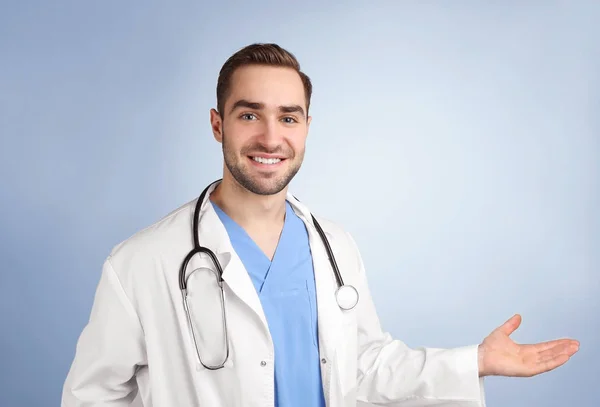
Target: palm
[500, 355]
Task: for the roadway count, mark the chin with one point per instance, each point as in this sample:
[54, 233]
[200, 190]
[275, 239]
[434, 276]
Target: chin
[260, 185]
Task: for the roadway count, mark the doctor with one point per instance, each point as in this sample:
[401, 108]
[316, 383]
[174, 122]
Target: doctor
[256, 319]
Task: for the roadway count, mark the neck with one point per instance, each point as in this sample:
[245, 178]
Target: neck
[251, 211]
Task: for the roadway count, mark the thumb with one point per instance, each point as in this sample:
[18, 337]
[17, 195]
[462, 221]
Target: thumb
[511, 325]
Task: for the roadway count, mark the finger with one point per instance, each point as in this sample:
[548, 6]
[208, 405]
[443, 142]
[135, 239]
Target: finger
[562, 349]
[542, 346]
[510, 325]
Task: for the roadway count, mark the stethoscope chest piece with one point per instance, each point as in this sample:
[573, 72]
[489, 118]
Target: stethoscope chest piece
[347, 297]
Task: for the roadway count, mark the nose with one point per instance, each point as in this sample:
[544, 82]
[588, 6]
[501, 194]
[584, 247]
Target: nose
[271, 136]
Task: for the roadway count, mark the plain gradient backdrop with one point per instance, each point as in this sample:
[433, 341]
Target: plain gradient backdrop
[459, 142]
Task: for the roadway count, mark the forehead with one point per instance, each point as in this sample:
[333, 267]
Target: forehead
[273, 86]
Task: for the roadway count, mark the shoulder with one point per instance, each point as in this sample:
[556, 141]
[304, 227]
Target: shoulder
[156, 239]
[335, 232]
[340, 237]
[336, 229]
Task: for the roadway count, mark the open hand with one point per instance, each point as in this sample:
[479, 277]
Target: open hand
[501, 356]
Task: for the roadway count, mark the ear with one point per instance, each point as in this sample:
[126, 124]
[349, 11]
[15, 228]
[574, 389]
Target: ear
[308, 120]
[216, 123]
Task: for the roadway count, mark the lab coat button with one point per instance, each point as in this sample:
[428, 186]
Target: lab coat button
[263, 363]
[323, 360]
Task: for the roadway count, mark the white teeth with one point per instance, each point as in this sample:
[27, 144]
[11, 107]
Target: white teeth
[266, 160]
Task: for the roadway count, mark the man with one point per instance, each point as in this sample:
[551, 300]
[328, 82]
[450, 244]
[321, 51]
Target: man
[280, 339]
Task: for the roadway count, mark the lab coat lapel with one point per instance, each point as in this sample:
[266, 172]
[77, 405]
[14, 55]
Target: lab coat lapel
[328, 312]
[212, 234]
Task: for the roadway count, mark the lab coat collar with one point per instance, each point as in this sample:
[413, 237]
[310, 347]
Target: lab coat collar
[214, 235]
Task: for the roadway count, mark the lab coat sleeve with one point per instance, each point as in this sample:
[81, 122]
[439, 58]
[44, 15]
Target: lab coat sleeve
[108, 351]
[392, 374]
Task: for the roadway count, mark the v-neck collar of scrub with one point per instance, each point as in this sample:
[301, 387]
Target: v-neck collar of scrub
[289, 212]
[240, 231]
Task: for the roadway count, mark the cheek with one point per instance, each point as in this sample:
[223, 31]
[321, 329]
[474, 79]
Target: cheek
[296, 138]
[298, 144]
[234, 141]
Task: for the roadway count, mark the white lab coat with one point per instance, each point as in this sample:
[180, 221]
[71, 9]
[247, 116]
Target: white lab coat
[137, 344]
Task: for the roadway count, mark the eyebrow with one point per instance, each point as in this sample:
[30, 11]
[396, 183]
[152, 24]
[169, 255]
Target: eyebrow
[260, 106]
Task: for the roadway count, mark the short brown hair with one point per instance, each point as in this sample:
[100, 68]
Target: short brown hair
[258, 54]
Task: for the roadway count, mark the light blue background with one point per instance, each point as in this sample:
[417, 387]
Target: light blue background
[458, 141]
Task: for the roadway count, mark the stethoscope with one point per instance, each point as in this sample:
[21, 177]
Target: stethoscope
[346, 295]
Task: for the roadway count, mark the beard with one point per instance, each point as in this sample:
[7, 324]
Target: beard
[252, 180]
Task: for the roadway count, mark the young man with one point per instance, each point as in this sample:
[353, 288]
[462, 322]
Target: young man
[272, 332]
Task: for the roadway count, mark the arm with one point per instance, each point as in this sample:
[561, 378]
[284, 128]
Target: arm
[392, 374]
[108, 352]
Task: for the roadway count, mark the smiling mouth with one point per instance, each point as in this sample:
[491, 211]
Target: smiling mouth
[267, 161]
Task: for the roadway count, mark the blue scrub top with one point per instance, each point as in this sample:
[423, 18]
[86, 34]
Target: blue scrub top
[286, 288]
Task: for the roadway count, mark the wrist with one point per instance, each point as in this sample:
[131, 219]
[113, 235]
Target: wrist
[481, 360]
